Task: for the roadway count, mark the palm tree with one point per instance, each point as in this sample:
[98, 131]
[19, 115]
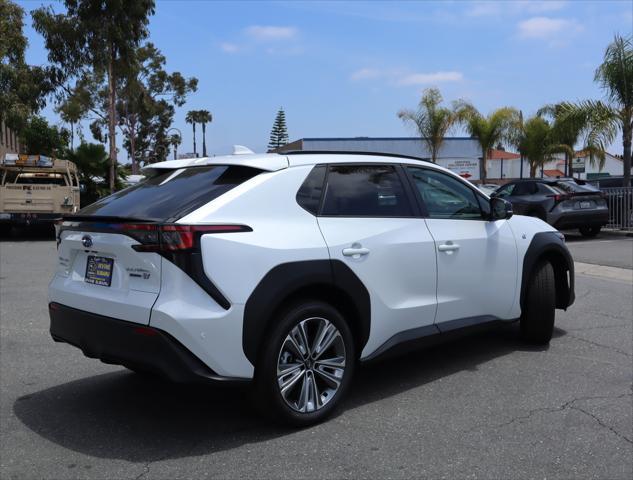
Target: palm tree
[489, 131]
[431, 120]
[204, 117]
[568, 132]
[615, 114]
[193, 119]
[538, 143]
[174, 141]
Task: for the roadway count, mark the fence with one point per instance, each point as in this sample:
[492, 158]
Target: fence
[620, 201]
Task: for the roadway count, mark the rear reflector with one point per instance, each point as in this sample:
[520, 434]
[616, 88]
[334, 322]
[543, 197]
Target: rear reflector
[146, 331]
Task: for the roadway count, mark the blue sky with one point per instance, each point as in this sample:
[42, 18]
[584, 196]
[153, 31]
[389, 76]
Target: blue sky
[346, 68]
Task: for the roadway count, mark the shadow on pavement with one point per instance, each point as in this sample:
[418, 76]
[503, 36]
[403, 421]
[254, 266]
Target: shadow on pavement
[123, 415]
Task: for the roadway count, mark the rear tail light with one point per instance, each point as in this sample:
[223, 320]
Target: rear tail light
[173, 237]
[559, 198]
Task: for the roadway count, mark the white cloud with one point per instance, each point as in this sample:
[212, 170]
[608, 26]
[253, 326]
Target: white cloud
[546, 28]
[366, 74]
[426, 78]
[403, 78]
[268, 33]
[497, 8]
[229, 47]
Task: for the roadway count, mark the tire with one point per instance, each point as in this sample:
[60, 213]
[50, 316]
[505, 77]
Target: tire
[537, 318]
[312, 389]
[587, 231]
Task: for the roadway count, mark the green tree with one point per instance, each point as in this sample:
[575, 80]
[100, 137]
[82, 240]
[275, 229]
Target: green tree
[94, 41]
[431, 120]
[39, 138]
[192, 118]
[175, 140]
[146, 102]
[604, 119]
[495, 128]
[538, 143]
[203, 117]
[568, 132]
[23, 88]
[279, 132]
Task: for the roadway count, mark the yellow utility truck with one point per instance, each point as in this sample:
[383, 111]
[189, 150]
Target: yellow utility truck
[35, 189]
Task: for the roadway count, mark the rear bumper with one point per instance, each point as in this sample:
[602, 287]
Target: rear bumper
[130, 344]
[580, 219]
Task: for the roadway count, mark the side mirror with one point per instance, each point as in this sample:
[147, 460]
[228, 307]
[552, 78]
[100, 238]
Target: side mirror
[501, 209]
[493, 194]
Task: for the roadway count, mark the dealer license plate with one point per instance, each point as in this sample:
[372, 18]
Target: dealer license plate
[99, 270]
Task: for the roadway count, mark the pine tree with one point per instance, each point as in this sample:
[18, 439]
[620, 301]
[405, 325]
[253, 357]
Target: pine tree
[279, 133]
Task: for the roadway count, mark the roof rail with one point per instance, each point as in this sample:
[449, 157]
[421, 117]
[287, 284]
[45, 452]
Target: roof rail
[350, 152]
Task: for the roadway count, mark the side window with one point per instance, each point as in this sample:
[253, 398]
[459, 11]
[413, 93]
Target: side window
[365, 191]
[445, 196]
[506, 190]
[525, 188]
[309, 195]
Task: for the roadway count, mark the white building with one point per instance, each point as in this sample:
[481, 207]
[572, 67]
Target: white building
[460, 155]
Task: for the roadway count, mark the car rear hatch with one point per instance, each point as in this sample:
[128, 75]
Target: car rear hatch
[572, 196]
[110, 254]
[100, 272]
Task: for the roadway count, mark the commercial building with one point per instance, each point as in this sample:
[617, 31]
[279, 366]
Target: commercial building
[460, 155]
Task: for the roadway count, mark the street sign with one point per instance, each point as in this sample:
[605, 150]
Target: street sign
[578, 165]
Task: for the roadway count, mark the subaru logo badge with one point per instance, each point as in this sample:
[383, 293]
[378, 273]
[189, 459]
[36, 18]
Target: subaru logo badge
[86, 241]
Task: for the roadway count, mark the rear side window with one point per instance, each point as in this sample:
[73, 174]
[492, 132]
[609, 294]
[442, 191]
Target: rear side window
[309, 195]
[169, 196]
[365, 191]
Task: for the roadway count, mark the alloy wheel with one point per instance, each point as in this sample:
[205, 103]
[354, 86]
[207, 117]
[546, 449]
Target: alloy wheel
[311, 364]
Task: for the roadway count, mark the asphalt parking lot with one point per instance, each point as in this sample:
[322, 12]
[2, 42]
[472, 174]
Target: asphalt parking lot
[483, 407]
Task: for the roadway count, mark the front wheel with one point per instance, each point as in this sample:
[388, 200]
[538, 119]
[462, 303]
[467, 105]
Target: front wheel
[537, 318]
[587, 231]
[306, 364]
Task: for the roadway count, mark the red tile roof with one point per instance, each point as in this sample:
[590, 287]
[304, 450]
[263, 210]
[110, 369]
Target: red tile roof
[553, 173]
[502, 155]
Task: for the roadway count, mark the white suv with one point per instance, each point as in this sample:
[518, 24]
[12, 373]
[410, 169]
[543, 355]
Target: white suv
[289, 269]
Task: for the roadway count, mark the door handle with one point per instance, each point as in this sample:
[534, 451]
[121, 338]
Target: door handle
[448, 247]
[355, 251]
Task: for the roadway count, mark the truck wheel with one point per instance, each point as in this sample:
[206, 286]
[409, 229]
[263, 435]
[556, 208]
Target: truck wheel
[586, 231]
[537, 318]
[306, 364]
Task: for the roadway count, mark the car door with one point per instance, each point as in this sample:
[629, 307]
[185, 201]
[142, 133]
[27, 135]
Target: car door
[476, 258]
[522, 197]
[369, 221]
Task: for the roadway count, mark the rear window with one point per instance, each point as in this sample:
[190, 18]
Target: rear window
[365, 191]
[573, 187]
[171, 195]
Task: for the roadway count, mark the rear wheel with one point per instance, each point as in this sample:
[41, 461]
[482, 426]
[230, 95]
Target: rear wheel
[537, 318]
[306, 364]
[587, 231]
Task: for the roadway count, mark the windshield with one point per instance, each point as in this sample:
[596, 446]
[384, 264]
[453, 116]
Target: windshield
[171, 194]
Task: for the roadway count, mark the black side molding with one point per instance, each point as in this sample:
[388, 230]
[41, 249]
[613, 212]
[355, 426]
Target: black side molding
[551, 247]
[326, 279]
[432, 335]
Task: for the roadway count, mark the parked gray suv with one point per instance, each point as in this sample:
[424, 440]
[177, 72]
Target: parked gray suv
[561, 202]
